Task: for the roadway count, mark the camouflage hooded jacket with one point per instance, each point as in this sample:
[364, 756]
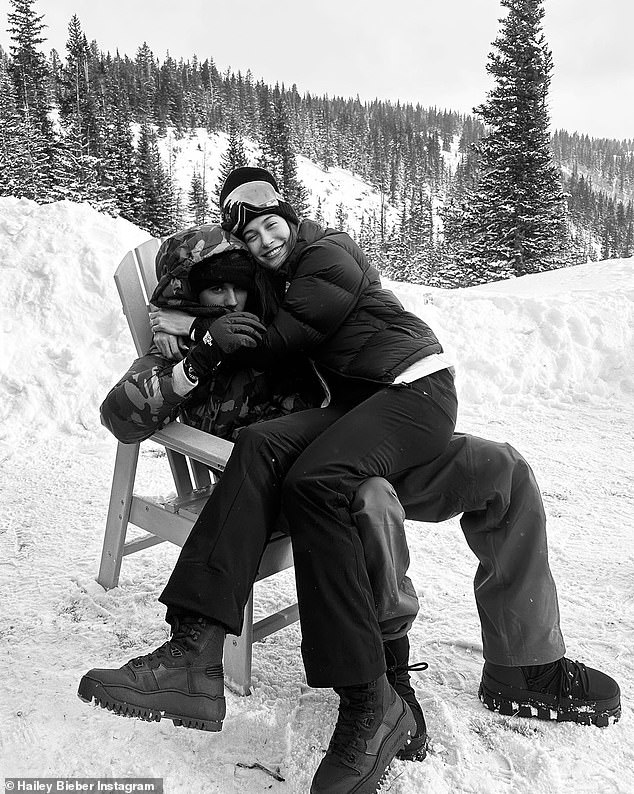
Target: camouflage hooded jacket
[144, 399]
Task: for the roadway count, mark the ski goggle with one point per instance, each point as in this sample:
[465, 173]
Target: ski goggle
[247, 201]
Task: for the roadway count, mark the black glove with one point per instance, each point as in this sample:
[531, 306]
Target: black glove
[200, 326]
[225, 335]
[202, 359]
[236, 330]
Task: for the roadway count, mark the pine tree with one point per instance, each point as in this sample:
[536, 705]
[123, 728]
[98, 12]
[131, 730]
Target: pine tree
[325, 154]
[78, 103]
[422, 248]
[278, 155]
[168, 214]
[319, 214]
[35, 139]
[372, 243]
[198, 201]
[341, 218]
[75, 175]
[515, 221]
[146, 79]
[234, 157]
[119, 161]
[269, 157]
[169, 97]
[156, 210]
[79, 167]
[12, 141]
[628, 234]
[28, 65]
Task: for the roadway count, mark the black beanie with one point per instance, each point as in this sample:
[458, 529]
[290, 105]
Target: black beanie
[242, 176]
[232, 267]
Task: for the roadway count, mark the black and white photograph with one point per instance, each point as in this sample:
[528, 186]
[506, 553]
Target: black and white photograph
[317, 397]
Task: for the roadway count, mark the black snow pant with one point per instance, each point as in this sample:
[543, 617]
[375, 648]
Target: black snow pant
[309, 466]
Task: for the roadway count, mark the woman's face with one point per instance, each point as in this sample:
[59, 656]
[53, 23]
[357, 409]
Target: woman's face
[226, 295]
[268, 239]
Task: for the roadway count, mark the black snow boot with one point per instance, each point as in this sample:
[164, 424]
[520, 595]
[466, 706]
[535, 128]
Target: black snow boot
[181, 680]
[564, 691]
[398, 670]
[374, 724]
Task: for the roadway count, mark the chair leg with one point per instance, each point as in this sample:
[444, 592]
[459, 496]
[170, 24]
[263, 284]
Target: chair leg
[202, 475]
[237, 655]
[118, 514]
[180, 472]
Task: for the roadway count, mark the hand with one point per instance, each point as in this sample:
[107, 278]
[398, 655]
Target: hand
[200, 326]
[170, 321]
[236, 330]
[203, 358]
[170, 346]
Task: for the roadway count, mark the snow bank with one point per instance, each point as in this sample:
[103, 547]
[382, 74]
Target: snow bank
[63, 333]
[560, 336]
[565, 335]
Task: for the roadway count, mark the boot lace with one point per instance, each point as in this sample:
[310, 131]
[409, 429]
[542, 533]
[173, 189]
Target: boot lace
[562, 678]
[356, 714]
[184, 631]
[417, 667]
[400, 673]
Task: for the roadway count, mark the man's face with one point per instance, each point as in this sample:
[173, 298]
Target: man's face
[226, 295]
[268, 239]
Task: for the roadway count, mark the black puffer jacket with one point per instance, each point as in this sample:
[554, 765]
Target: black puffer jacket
[336, 312]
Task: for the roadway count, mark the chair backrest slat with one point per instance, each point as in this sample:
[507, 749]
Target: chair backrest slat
[146, 254]
[134, 302]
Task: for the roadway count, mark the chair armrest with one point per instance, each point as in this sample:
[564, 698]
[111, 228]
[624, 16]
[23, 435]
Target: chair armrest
[195, 444]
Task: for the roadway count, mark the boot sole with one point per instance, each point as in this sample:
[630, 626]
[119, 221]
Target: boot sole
[414, 750]
[527, 705]
[93, 691]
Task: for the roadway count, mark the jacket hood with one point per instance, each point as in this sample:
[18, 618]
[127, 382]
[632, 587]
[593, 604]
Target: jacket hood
[176, 257]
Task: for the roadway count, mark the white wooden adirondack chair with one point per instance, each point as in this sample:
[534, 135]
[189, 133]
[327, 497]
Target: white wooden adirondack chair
[195, 458]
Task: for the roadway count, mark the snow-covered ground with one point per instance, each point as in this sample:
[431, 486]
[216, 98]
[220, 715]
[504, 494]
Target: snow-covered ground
[545, 362]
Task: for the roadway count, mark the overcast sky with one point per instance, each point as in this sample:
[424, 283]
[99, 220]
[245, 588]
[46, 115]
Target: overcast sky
[414, 50]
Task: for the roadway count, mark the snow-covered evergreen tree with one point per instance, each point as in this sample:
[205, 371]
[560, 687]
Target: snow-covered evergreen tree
[12, 143]
[78, 102]
[146, 81]
[119, 162]
[514, 221]
[278, 155]
[28, 69]
[234, 157]
[75, 175]
[372, 243]
[319, 214]
[28, 66]
[156, 210]
[628, 234]
[79, 167]
[197, 200]
[341, 217]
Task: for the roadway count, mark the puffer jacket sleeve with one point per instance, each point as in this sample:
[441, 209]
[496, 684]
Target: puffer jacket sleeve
[324, 290]
[143, 401]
